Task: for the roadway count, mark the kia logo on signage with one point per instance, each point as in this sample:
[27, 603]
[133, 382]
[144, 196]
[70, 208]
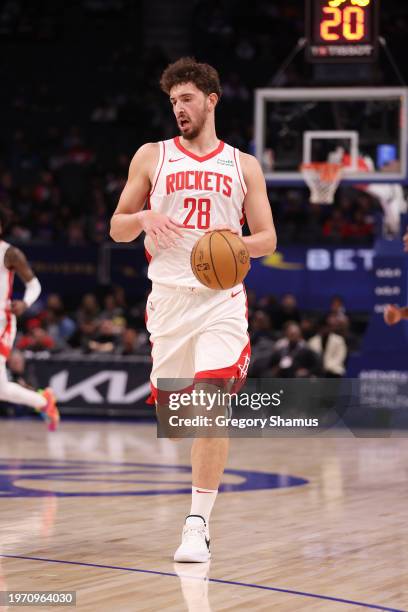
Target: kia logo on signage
[105, 386]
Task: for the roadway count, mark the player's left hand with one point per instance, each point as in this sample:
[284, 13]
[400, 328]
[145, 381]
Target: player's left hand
[392, 314]
[222, 227]
[18, 307]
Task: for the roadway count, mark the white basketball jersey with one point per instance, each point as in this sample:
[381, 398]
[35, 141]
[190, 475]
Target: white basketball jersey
[198, 192]
[6, 279]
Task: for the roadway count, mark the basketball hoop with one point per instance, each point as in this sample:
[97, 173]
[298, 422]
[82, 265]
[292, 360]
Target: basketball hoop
[322, 179]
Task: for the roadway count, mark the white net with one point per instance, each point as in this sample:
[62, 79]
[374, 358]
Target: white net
[322, 179]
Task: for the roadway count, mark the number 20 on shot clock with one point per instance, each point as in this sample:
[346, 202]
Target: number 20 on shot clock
[342, 30]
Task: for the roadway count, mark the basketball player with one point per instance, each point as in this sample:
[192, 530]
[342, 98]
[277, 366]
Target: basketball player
[194, 183]
[13, 261]
[394, 314]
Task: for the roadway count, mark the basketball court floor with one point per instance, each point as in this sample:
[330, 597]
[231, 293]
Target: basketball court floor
[305, 524]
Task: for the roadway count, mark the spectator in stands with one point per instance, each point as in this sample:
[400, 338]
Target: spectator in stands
[262, 342]
[288, 311]
[132, 342]
[291, 356]
[335, 227]
[308, 327]
[105, 112]
[98, 220]
[105, 339]
[359, 228]
[75, 234]
[35, 339]
[16, 368]
[87, 321]
[59, 326]
[337, 306]
[341, 326]
[261, 328]
[271, 306]
[88, 310]
[113, 312]
[119, 296]
[331, 347]
[43, 226]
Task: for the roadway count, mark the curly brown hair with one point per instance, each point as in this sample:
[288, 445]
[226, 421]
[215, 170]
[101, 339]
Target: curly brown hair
[188, 70]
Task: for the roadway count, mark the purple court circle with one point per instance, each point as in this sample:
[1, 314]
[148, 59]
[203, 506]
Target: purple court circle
[37, 470]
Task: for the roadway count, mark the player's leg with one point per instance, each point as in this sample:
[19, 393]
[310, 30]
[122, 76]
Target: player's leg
[222, 355]
[42, 402]
[208, 460]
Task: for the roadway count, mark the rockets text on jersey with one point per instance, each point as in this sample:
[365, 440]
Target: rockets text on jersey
[199, 192]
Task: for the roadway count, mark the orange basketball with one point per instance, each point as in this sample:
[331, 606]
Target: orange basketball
[220, 260]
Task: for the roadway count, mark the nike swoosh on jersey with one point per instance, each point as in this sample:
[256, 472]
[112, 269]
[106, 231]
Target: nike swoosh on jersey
[235, 294]
[174, 160]
[198, 491]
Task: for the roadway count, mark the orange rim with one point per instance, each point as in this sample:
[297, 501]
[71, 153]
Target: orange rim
[327, 171]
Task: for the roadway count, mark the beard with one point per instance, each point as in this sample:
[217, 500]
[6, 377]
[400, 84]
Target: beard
[192, 133]
[193, 129]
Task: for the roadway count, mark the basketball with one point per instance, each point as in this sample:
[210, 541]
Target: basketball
[220, 260]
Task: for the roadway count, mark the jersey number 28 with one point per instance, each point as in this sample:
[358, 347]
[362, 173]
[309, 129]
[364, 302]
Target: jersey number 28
[201, 210]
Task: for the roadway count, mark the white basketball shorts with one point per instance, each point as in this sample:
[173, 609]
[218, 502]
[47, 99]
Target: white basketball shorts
[197, 333]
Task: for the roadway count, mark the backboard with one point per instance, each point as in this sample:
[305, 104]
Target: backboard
[363, 128]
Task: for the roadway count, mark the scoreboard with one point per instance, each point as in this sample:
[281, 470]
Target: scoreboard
[342, 30]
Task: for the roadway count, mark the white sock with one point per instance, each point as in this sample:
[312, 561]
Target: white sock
[202, 502]
[16, 394]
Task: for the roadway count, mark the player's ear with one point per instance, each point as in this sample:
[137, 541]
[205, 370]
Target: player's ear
[212, 101]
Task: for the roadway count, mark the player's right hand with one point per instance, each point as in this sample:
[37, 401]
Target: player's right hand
[405, 239]
[392, 314]
[163, 230]
[18, 307]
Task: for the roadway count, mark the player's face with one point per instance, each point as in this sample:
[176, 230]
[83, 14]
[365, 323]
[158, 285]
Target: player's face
[191, 108]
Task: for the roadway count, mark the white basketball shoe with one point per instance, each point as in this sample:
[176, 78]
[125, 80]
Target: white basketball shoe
[195, 541]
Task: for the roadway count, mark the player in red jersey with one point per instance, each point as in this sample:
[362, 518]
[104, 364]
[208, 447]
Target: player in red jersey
[192, 184]
[13, 261]
[394, 314]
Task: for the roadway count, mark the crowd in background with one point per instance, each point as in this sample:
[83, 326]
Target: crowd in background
[285, 340]
[66, 195]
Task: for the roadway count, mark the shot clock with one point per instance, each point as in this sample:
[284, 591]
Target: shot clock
[342, 30]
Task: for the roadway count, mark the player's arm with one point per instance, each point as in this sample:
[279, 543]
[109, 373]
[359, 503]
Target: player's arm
[129, 218]
[395, 314]
[262, 240]
[16, 261]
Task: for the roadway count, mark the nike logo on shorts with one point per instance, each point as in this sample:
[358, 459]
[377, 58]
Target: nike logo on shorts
[174, 160]
[235, 294]
[198, 491]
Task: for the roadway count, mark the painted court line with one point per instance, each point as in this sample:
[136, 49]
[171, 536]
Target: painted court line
[215, 580]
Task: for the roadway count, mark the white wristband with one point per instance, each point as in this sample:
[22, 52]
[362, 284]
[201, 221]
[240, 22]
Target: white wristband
[32, 291]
